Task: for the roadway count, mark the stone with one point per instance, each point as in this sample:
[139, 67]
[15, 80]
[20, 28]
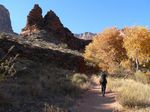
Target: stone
[53, 26]
[34, 20]
[5, 22]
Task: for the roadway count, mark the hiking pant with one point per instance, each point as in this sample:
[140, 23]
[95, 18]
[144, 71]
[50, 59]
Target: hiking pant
[103, 89]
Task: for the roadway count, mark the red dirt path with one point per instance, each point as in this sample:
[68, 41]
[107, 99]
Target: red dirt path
[92, 100]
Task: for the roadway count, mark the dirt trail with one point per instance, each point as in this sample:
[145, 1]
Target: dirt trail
[92, 100]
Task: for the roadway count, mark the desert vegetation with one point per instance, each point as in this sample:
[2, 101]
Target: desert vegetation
[131, 94]
[51, 78]
[127, 49]
[7, 65]
[27, 82]
[45, 68]
[125, 55]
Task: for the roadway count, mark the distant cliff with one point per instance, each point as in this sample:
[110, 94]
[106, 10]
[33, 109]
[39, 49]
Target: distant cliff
[85, 36]
[5, 22]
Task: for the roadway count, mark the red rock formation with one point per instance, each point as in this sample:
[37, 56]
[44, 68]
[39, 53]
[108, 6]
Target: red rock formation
[34, 20]
[5, 23]
[52, 24]
[35, 16]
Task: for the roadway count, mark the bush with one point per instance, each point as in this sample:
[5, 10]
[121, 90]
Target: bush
[79, 79]
[51, 108]
[135, 95]
[64, 46]
[131, 93]
[142, 77]
[118, 71]
[71, 85]
[7, 65]
[65, 86]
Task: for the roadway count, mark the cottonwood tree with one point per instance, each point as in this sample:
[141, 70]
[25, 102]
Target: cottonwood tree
[106, 49]
[137, 44]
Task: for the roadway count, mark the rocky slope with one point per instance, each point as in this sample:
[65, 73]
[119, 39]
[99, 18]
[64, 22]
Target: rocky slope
[48, 59]
[5, 23]
[53, 26]
[42, 76]
[85, 36]
[38, 49]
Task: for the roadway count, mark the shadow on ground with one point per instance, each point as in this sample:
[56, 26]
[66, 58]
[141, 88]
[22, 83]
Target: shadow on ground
[92, 101]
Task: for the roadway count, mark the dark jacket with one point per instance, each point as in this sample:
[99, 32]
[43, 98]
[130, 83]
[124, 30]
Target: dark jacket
[103, 79]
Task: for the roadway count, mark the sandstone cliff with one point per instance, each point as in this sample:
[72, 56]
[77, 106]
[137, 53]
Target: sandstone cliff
[53, 26]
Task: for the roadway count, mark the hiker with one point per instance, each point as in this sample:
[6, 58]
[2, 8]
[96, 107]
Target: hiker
[103, 82]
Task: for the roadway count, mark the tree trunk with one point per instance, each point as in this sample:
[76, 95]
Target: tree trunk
[137, 64]
[137, 60]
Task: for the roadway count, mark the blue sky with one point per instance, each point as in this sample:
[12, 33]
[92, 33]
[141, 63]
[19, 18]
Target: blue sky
[84, 15]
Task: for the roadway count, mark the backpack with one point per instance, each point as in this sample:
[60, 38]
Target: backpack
[103, 79]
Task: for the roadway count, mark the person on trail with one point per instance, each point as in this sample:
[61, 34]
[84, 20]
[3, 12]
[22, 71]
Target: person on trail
[103, 82]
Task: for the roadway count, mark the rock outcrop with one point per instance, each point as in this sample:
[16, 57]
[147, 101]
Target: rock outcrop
[34, 20]
[52, 22]
[52, 25]
[42, 71]
[44, 52]
[5, 22]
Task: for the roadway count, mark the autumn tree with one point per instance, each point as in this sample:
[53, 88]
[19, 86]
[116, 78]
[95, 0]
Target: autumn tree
[137, 44]
[106, 49]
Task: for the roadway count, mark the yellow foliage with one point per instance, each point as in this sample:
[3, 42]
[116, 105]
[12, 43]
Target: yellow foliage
[137, 43]
[114, 47]
[106, 49]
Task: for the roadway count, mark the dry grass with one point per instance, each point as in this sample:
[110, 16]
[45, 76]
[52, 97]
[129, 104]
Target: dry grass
[142, 77]
[51, 108]
[138, 110]
[7, 65]
[80, 80]
[131, 94]
[40, 84]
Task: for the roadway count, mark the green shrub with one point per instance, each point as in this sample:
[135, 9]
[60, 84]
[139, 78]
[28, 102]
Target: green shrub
[118, 71]
[142, 77]
[79, 79]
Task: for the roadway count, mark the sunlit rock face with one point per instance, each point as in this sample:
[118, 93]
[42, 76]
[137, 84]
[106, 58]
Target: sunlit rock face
[85, 36]
[53, 26]
[34, 20]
